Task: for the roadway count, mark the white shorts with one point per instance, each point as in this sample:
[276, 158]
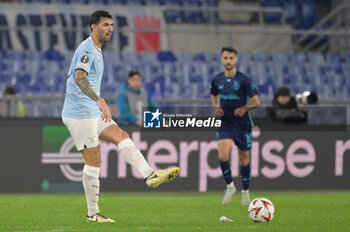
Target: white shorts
[86, 132]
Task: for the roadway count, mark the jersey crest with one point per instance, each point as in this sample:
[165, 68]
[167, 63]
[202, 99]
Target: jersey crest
[236, 86]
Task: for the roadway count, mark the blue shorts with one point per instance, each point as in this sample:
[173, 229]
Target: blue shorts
[241, 137]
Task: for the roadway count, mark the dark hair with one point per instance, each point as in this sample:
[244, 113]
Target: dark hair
[134, 72]
[97, 15]
[229, 49]
[283, 91]
[10, 90]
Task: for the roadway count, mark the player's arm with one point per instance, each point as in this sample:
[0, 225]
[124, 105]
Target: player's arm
[253, 103]
[84, 84]
[214, 96]
[215, 102]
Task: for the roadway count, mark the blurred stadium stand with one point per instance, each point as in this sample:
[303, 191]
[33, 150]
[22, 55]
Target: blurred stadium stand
[41, 72]
[317, 61]
[297, 12]
[169, 75]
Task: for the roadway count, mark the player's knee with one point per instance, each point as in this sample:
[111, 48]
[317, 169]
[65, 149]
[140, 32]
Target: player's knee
[96, 161]
[120, 136]
[243, 161]
[96, 157]
[124, 135]
[223, 157]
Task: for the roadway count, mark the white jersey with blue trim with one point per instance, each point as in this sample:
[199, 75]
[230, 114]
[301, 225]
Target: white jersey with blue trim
[87, 57]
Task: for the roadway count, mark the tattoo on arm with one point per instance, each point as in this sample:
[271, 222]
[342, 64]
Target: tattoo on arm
[84, 84]
[254, 102]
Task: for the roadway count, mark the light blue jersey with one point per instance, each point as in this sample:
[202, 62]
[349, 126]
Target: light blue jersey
[88, 58]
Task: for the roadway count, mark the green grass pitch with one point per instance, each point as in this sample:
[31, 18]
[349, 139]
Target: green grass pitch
[175, 211]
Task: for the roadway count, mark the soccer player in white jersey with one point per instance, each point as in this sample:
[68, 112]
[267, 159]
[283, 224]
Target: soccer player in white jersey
[88, 117]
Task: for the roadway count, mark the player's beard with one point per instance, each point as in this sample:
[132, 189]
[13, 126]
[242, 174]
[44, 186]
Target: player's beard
[229, 67]
[105, 38]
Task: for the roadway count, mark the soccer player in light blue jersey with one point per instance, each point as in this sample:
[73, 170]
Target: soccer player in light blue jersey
[88, 117]
[233, 95]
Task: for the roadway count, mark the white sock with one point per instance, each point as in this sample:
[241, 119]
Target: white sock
[91, 185]
[231, 185]
[134, 157]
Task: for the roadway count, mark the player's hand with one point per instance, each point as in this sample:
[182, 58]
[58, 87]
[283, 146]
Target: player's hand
[139, 123]
[239, 112]
[302, 107]
[219, 112]
[106, 114]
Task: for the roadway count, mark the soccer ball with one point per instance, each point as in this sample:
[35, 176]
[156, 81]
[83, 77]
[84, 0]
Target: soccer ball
[261, 210]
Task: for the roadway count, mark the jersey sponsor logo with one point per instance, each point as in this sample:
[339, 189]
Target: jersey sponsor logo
[229, 97]
[236, 86]
[221, 86]
[84, 59]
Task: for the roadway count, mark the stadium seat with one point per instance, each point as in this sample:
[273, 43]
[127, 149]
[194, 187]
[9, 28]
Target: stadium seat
[266, 90]
[105, 2]
[166, 56]
[292, 11]
[192, 16]
[203, 57]
[294, 69]
[184, 57]
[347, 58]
[53, 55]
[259, 57]
[174, 16]
[316, 58]
[312, 70]
[210, 17]
[334, 59]
[279, 58]
[345, 69]
[299, 58]
[271, 17]
[244, 57]
[130, 57]
[309, 12]
[148, 57]
[276, 70]
[120, 2]
[157, 87]
[154, 2]
[135, 2]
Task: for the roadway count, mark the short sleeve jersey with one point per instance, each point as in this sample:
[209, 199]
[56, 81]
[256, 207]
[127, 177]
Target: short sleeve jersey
[234, 92]
[87, 57]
